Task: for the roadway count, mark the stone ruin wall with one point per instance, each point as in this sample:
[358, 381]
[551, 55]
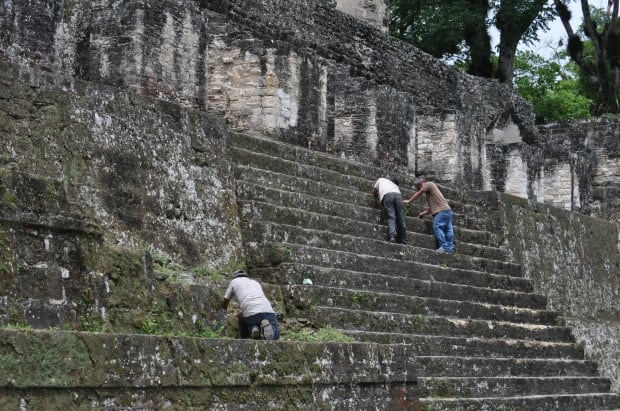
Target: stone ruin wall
[374, 12]
[303, 72]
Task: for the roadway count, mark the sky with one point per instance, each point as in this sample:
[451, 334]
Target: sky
[549, 40]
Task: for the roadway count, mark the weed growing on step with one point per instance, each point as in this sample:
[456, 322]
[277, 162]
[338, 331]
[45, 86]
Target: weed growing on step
[16, 326]
[207, 332]
[321, 335]
[91, 324]
[155, 322]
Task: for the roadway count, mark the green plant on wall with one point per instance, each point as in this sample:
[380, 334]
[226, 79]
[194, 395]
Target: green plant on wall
[208, 332]
[16, 326]
[156, 322]
[360, 298]
[91, 323]
[326, 334]
[221, 273]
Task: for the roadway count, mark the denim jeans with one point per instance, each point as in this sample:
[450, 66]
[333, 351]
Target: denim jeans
[443, 230]
[246, 324]
[395, 216]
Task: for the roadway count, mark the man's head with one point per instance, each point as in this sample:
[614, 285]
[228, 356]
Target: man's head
[419, 181]
[239, 273]
[394, 180]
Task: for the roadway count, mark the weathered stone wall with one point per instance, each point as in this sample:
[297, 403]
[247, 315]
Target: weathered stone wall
[581, 169]
[298, 70]
[304, 72]
[574, 260]
[151, 174]
[85, 371]
[374, 12]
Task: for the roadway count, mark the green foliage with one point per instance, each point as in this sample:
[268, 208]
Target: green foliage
[360, 298]
[222, 273]
[458, 30]
[552, 88]
[428, 25]
[156, 322]
[321, 335]
[593, 47]
[92, 324]
[16, 326]
[208, 332]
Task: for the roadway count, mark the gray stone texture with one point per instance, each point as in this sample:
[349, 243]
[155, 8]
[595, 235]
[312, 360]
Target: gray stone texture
[574, 260]
[115, 120]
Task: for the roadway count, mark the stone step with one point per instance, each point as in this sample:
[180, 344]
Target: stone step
[326, 161]
[148, 372]
[351, 253]
[568, 402]
[468, 241]
[285, 169]
[325, 187]
[452, 366]
[429, 299]
[462, 387]
[473, 346]
[371, 321]
[252, 192]
[287, 273]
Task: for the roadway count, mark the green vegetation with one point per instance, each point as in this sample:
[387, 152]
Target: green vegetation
[360, 298]
[458, 30]
[156, 322]
[207, 332]
[326, 334]
[593, 47]
[16, 326]
[553, 88]
[91, 324]
[219, 273]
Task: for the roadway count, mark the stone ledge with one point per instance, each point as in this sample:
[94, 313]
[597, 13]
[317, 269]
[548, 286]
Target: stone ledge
[57, 359]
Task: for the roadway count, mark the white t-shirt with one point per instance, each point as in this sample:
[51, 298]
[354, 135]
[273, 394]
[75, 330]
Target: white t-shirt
[386, 186]
[250, 296]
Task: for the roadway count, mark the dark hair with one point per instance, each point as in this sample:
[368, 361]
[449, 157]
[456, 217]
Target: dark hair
[239, 273]
[394, 180]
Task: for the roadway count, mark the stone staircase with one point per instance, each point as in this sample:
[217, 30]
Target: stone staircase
[477, 334]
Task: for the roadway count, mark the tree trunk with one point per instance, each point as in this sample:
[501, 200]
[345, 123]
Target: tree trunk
[513, 19]
[506, 63]
[477, 38]
[603, 73]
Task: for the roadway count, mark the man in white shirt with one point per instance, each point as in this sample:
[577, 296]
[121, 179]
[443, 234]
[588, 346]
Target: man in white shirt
[392, 200]
[257, 319]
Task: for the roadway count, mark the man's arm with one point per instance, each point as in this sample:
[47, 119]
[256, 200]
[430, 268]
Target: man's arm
[415, 196]
[424, 213]
[225, 303]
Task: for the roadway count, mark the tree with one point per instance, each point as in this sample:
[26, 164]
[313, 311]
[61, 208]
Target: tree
[452, 28]
[598, 57]
[518, 21]
[552, 88]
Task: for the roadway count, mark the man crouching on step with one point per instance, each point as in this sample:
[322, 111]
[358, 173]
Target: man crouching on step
[257, 320]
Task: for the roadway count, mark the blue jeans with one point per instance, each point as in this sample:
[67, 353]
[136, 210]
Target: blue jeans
[443, 230]
[246, 324]
[395, 216]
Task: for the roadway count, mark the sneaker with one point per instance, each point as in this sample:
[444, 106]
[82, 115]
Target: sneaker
[266, 330]
[255, 333]
[392, 240]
